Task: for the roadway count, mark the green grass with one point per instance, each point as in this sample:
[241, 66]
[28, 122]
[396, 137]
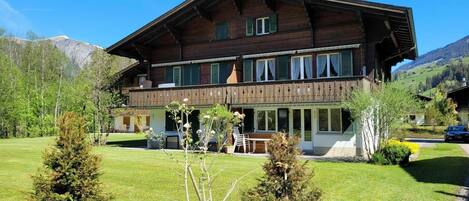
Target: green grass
[408, 131]
[131, 174]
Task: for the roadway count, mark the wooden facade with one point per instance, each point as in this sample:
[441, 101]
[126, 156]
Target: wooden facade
[383, 34]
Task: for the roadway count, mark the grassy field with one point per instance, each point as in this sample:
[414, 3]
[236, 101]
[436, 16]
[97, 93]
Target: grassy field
[132, 174]
[408, 131]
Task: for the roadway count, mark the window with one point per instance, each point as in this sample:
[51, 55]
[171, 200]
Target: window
[177, 75]
[222, 31]
[266, 120]
[190, 75]
[170, 124]
[308, 125]
[301, 67]
[262, 25]
[335, 64]
[265, 70]
[141, 79]
[330, 120]
[283, 120]
[215, 73]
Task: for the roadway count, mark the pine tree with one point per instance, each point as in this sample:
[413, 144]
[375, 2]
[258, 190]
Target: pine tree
[286, 178]
[71, 171]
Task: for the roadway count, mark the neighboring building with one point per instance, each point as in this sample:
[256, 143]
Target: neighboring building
[131, 120]
[418, 117]
[286, 64]
[461, 98]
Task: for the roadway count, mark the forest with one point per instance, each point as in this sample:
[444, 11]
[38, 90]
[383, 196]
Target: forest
[38, 84]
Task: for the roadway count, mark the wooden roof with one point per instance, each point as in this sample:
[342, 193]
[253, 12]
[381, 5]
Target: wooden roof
[398, 20]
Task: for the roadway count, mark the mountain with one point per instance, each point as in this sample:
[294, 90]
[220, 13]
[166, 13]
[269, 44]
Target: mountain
[78, 52]
[441, 56]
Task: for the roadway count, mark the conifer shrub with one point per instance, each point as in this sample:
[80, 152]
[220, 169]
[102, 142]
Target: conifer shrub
[286, 178]
[70, 170]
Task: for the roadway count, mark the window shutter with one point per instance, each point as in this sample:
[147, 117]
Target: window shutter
[273, 23]
[214, 73]
[249, 26]
[282, 67]
[168, 75]
[186, 76]
[248, 70]
[225, 72]
[222, 31]
[347, 63]
[195, 74]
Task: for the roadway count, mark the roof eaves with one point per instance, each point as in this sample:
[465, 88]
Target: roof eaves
[149, 25]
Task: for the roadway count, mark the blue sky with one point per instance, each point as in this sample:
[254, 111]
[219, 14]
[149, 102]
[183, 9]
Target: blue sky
[100, 22]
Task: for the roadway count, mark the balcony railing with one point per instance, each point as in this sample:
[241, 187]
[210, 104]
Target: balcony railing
[276, 92]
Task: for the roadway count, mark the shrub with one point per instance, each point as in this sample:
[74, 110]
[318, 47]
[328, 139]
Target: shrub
[414, 147]
[286, 178]
[392, 154]
[71, 171]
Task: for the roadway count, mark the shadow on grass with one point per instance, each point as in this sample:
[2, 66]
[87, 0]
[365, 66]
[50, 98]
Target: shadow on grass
[443, 170]
[453, 194]
[129, 143]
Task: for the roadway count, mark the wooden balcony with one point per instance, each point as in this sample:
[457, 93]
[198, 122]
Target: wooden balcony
[277, 92]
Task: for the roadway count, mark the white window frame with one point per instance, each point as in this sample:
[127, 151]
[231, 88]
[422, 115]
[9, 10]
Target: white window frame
[262, 20]
[329, 121]
[180, 75]
[266, 111]
[328, 64]
[266, 69]
[302, 65]
[218, 76]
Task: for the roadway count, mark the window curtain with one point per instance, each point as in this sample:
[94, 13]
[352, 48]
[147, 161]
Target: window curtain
[260, 70]
[335, 66]
[271, 64]
[295, 70]
[322, 64]
[308, 63]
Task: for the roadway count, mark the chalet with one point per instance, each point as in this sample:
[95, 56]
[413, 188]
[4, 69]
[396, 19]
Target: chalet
[461, 98]
[286, 64]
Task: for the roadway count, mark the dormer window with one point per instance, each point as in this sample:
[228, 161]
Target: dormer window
[262, 25]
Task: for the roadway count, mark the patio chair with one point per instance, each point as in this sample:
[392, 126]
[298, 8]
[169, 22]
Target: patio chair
[239, 139]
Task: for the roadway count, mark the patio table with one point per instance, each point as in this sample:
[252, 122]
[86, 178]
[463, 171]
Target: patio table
[254, 140]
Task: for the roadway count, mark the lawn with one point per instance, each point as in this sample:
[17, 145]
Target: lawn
[132, 174]
[408, 131]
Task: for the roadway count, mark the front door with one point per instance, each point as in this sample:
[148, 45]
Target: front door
[302, 127]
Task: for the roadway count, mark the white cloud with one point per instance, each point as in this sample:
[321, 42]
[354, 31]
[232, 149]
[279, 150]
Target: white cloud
[12, 20]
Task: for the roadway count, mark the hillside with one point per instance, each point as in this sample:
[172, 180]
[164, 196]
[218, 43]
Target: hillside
[425, 78]
[441, 56]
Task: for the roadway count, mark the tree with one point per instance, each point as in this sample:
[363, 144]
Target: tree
[441, 110]
[99, 75]
[286, 178]
[71, 171]
[380, 112]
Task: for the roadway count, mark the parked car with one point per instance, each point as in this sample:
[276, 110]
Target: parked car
[456, 133]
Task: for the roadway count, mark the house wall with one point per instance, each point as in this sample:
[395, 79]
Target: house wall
[328, 144]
